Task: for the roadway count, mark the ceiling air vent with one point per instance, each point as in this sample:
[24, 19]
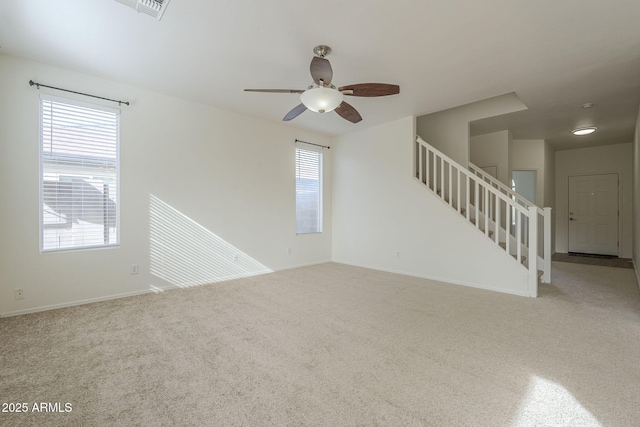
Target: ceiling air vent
[153, 8]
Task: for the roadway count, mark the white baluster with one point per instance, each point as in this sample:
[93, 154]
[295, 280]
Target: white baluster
[468, 195]
[496, 225]
[458, 193]
[518, 235]
[507, 227]
[476, 198]
[420, 173]
[450, 185]
[426, 167]
[441, 177]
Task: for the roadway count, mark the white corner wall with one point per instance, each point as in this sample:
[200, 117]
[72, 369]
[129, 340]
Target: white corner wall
[217, 182]
[617, 158]
[529, 154]
[636, 199]
[448, 130]
[550, 188]
[549, 176]
[384, 219]
[492, 149]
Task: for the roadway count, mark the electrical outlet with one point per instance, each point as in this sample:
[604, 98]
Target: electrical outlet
[398, 254]
[289, 251]
[19, 293]
[135, 268]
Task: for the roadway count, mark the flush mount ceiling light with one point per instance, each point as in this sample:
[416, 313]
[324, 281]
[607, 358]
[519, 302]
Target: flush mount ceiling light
[584, 130]
[321, 99]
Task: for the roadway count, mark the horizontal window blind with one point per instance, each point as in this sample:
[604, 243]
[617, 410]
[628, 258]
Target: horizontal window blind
[308, 191]
[79, 161]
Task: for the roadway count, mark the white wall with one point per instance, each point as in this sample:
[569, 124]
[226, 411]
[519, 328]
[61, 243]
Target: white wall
[380, 209]
[549, 175]
[448, 130]
[218, 182]
[529, 154]
[550, 188]
[636, 199]
[616, 158]
[492, 149]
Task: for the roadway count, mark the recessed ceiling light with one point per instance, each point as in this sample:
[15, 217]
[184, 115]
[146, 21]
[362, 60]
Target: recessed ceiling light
[588, 105]
[584, 130]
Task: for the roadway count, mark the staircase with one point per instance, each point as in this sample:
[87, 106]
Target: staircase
[512, 223]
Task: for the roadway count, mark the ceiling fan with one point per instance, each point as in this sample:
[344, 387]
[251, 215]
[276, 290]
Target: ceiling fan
[322, 96]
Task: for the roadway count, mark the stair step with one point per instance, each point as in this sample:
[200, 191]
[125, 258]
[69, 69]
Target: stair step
[473, 221]
[439, 193]
[523, 258]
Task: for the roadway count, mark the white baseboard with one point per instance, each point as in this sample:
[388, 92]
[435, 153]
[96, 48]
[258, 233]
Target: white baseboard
[168, 287]
[439, 279]
[72, 303]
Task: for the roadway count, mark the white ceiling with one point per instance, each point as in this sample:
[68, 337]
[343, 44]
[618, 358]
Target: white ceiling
[556, 55]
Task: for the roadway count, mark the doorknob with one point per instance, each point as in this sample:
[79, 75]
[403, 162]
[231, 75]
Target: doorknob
[571, 219]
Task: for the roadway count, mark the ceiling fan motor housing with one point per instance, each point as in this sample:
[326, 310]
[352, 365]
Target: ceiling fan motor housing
[322, 50]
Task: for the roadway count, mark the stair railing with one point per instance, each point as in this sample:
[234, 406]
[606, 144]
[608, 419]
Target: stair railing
[501, 186]
[488, 209]
[544, 219]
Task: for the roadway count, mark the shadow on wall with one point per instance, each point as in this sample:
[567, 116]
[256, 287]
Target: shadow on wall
[184, 253]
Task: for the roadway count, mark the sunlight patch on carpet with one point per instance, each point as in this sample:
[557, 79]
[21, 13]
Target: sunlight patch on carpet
[550, 404]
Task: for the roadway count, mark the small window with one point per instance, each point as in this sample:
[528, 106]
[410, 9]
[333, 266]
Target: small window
[308, 191]
[79, 173]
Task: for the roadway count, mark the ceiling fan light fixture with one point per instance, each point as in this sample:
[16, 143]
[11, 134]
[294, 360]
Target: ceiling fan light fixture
[584, 130]
[321, 99]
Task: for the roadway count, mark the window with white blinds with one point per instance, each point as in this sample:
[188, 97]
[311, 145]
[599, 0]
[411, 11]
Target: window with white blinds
[79, 174]
[308, 191]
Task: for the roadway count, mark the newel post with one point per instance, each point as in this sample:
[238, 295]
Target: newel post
[533, 252]
[546, 276]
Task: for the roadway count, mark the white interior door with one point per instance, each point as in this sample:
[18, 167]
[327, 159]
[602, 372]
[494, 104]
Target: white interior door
[593, 214]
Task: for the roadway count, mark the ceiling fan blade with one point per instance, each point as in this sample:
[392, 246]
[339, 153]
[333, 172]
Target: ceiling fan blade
[295, 113]
[275, 90]
[321, 70]
[371, 89]
[347, 112]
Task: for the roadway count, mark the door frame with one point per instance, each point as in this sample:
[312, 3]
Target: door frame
[616, 172]
[494, 165]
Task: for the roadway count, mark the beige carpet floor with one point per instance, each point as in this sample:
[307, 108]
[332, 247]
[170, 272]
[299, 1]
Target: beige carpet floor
[334, 345]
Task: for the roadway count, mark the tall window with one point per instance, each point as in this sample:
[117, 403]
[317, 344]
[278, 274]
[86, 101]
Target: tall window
[79, 163]
[308, 191]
